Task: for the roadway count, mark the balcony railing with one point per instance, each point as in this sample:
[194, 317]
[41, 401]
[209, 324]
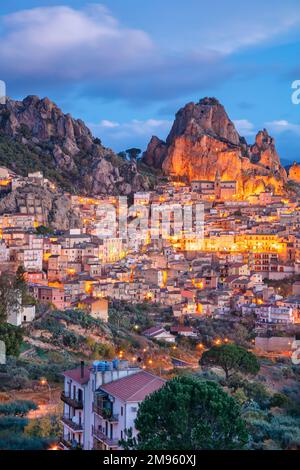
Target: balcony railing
[67, 443]
[105, 413]
[113, 443]
[74, 402]
[71, 424]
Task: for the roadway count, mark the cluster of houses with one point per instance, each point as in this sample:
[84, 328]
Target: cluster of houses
[246, 263]
[247, 245]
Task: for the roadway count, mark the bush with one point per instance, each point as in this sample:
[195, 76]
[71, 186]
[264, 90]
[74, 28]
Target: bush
[17, 408]
[12, 337]
[47, 427]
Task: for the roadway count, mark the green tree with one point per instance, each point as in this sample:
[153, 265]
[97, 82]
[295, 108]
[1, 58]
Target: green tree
[188, 414]
[231, 358]
[48, 427]
[13, 421]
[44, 230]
[20, 282]
[17, 408]
[133, 153]
[122, 155]
[12, 337]
[8, 298]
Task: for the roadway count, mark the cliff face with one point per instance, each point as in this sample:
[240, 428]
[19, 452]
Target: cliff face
[203, 141]
[65, 148]
[50, 208]
[294, 172]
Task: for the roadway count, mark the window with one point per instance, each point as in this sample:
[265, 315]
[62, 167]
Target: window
[134, 409]
[122, 410]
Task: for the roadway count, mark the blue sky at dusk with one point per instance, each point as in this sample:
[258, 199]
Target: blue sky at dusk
[126, 66]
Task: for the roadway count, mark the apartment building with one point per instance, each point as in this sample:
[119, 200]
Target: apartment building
[274, 314]
[47, 294]
[101, 402]
[74, 397]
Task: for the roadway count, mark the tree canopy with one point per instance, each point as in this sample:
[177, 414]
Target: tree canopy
[133, 153]
[8, 298]
[231, 358]
[12, 337]
[188, 414]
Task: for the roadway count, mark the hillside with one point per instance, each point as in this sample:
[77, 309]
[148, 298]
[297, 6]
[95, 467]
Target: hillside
[36, 135]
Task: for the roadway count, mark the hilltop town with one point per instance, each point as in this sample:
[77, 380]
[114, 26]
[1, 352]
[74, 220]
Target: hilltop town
[242, 272]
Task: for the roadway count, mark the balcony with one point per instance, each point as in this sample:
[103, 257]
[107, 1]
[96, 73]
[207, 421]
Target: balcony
[71, 424]
[74, 402]
[66, 443]
[105, 413]
[112, 443]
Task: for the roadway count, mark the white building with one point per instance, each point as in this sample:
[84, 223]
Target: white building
[159, 333]
[4, 252]
[21, 315]
[100, 403]
[274, 314]
[33, 260]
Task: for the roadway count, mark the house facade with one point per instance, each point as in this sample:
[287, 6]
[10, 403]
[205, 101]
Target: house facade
[101, 403]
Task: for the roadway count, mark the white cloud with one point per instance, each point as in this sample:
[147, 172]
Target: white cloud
[69, 43]
[88, 51]
[244, 127]
[281, 126]
[133, 128]
[249, 24]
[106, 124]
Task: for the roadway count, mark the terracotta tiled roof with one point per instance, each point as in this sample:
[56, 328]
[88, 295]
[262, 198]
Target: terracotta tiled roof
[154, 330]
[181, 329]
[75, 374]
[135, 387]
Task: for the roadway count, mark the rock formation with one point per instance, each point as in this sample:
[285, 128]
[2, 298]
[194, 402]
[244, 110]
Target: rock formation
[50, 208]
[65, 149]
[294, 172]
[204, 141]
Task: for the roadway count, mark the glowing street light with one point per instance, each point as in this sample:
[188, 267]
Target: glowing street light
[44, 382]
[54, 447]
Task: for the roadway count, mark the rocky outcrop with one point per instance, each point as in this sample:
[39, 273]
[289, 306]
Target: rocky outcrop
[65, 146]
[203, 141]
[50, 208]
[294, 173]
[156, 153]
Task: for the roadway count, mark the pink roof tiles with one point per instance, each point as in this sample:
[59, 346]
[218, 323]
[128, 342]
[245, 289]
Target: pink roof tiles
[135, 387]
[75, 374]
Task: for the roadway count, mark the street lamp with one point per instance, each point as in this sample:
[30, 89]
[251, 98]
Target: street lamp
[44, 381]
[54, 447]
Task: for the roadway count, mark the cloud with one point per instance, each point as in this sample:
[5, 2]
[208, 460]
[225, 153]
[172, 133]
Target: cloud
[282, 126]
[240, 24]
[244, 127]
[74, 52]
[105, 124]
[89, 51]
[70, 44]
[134, 132]
[134, 127]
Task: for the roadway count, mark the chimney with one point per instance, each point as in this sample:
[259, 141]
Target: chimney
[82, 369]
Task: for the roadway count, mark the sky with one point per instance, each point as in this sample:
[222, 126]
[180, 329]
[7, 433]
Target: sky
[126, 66]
